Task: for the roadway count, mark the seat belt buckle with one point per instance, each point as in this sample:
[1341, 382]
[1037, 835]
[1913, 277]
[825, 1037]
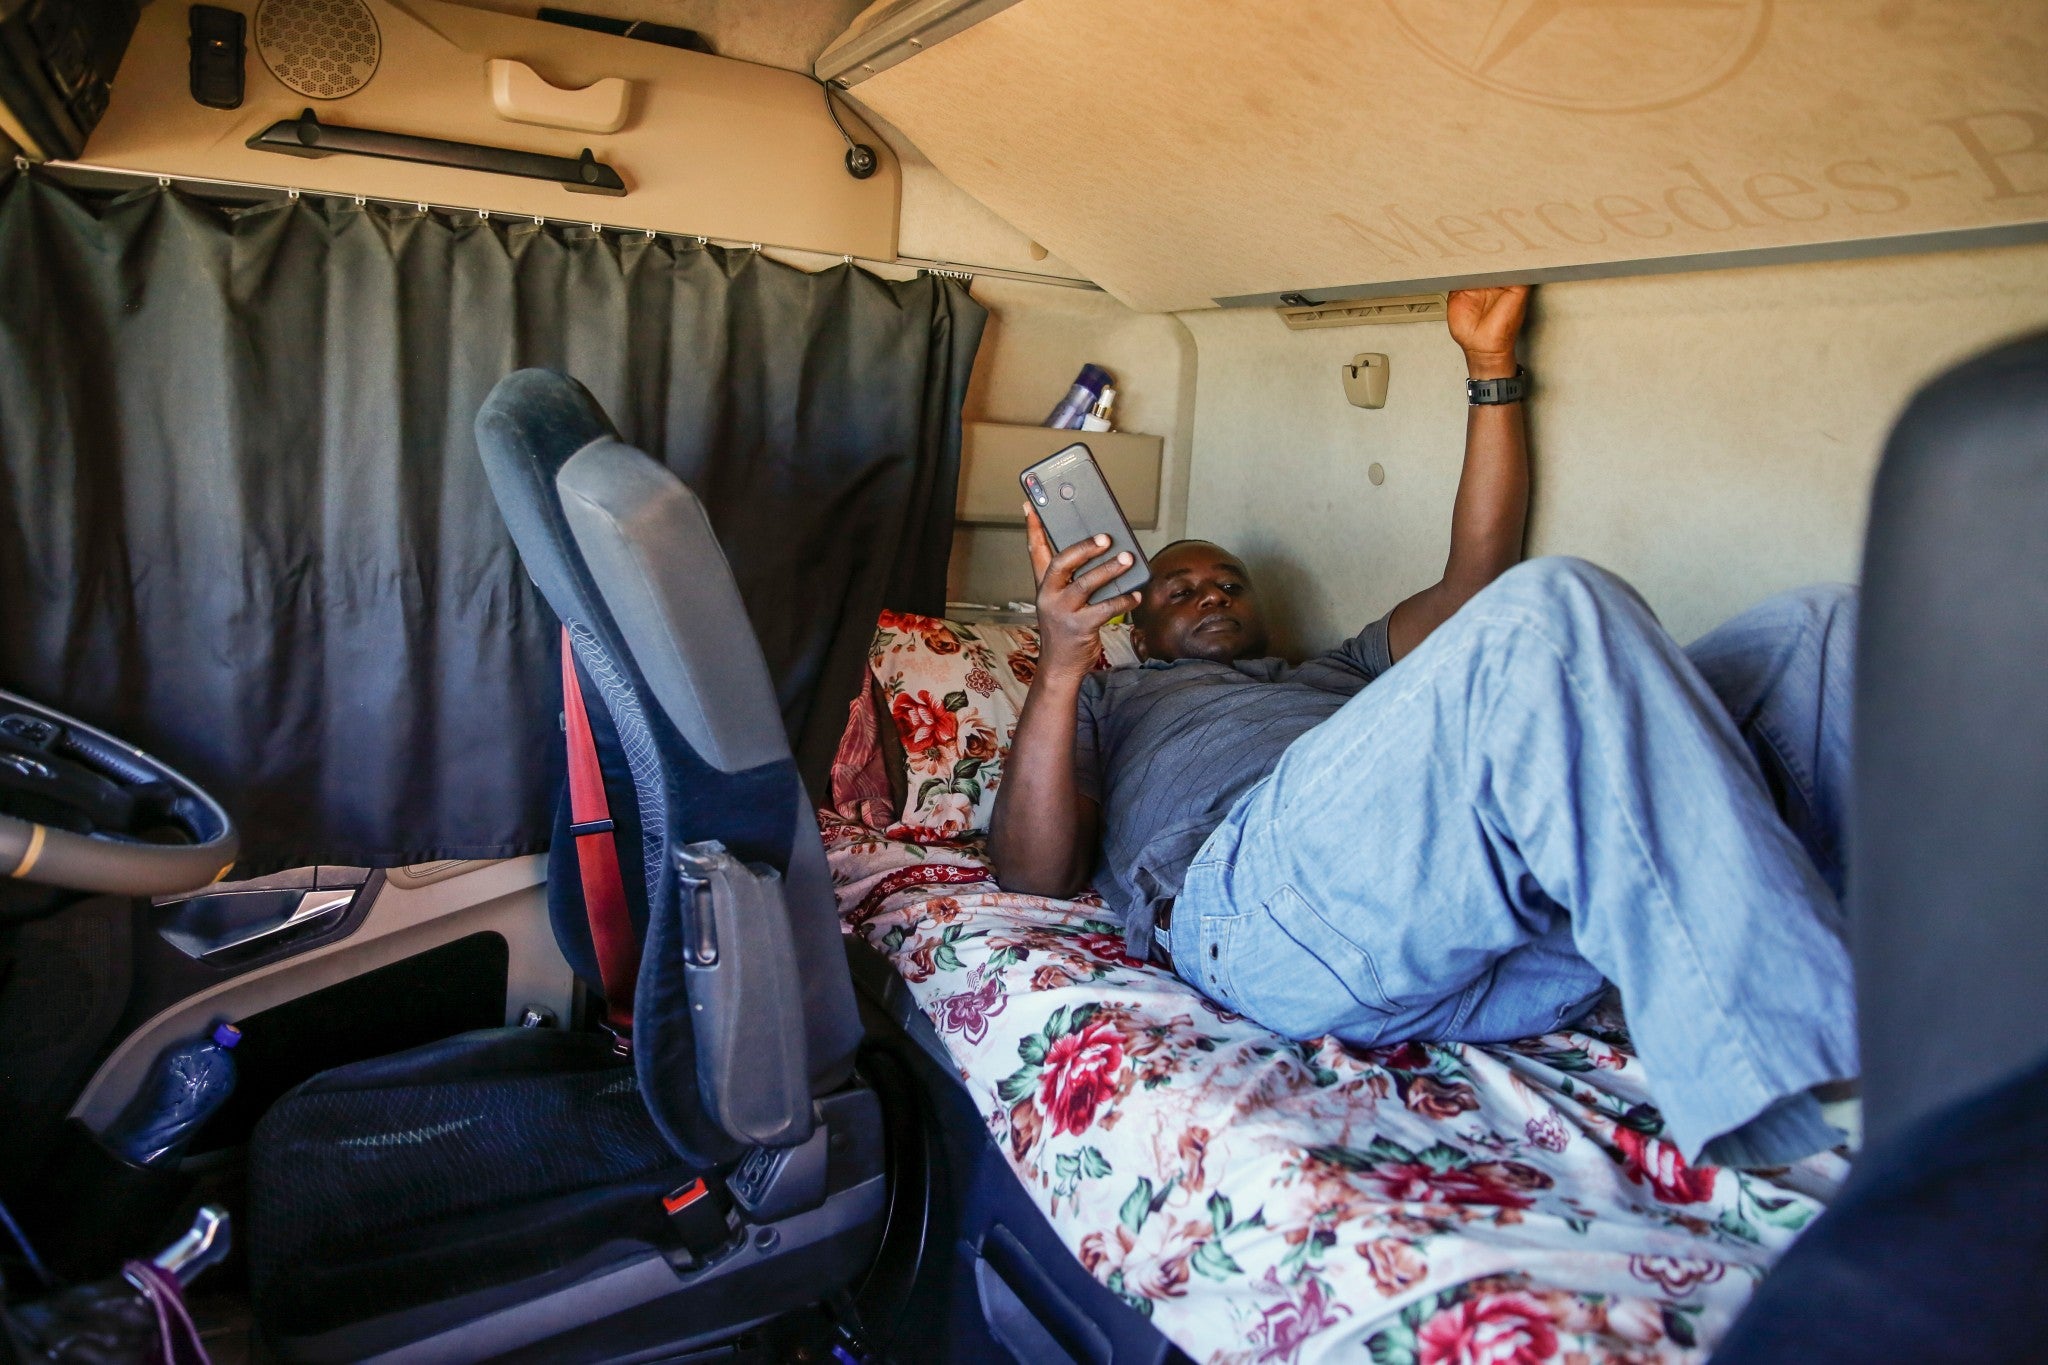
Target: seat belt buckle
[702, 1218]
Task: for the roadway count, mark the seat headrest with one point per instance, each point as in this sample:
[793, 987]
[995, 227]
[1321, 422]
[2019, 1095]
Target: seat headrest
[528, 428]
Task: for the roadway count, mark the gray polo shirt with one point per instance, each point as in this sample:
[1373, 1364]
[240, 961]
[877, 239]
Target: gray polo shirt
[1168, 747]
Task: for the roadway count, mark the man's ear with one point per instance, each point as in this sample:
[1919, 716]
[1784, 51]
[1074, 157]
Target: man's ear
[1138, 645]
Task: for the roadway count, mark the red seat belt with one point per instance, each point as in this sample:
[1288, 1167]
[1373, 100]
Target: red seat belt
[597, 860]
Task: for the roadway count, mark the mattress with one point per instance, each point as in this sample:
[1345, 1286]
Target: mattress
[1263, 1200]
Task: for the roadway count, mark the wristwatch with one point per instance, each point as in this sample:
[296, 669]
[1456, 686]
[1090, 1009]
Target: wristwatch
[1495, 391]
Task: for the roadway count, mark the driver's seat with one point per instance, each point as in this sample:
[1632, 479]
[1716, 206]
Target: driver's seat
[530, 1190]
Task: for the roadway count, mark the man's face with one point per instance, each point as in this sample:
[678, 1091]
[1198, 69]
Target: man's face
[1199, 605]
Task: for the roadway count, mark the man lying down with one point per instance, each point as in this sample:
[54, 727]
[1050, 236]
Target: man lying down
[1465, 820]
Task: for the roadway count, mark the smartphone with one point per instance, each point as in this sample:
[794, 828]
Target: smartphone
[1074, 502]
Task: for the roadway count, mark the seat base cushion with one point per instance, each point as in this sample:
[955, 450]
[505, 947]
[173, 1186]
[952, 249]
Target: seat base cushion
[471, 1162]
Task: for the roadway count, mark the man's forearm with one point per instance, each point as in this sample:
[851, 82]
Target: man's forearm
[1041, 820]
[1490, 516]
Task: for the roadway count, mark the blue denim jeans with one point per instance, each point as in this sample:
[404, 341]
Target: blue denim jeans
[1548, 794]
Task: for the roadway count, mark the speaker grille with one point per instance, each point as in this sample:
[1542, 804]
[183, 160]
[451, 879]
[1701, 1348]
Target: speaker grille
[322, 49]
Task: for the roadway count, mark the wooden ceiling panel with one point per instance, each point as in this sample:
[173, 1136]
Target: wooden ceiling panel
[1185, 152]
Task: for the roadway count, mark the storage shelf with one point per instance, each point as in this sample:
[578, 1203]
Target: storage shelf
[993, 454]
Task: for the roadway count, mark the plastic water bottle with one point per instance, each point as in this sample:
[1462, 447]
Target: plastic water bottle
[189, 1082]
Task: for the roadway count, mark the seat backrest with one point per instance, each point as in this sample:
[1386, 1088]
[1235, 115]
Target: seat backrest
[658, 628]
[1949, 834]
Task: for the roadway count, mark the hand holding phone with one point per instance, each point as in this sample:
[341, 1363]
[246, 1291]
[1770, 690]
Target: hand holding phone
[1074, 503]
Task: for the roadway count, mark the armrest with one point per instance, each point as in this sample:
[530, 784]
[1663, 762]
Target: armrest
[746, 1002]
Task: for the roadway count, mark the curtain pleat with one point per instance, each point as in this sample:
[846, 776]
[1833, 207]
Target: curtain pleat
[243, 523]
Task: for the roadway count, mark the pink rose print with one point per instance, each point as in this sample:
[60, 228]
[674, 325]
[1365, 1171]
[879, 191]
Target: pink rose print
[950, 813]
[922, 722]
[1394, 1264]
[1493, 1184]
[1080, 1070]
[1111, 948]
[1657, 1163]
[1493, 1329]
[1674, 1274]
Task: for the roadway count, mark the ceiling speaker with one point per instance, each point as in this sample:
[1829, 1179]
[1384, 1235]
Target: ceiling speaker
[322, 49]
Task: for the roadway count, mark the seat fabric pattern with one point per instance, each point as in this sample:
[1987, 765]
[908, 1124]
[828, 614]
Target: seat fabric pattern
[468, 1163]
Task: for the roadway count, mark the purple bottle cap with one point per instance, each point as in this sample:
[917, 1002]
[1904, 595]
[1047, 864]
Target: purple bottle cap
[227, 1035]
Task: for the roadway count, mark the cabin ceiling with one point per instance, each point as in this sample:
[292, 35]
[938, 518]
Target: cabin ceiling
[785, 33]
[1189, 152]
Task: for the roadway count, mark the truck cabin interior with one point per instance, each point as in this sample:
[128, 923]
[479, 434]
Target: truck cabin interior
[562, 802]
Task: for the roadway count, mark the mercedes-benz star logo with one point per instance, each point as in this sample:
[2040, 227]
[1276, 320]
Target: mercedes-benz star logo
[1597, 56]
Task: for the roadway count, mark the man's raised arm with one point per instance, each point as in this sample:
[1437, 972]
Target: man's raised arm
[1492, 509]
[1042, 835]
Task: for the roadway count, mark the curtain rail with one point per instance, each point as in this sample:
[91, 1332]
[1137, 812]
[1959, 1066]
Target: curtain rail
[960, 270]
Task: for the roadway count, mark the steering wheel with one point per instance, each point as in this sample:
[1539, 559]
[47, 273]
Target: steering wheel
[83, 811]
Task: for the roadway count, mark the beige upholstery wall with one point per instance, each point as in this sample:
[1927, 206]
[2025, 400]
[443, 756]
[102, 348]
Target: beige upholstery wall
[1711, 437]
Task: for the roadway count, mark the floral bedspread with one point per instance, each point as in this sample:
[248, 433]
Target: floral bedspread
[1261, 1200]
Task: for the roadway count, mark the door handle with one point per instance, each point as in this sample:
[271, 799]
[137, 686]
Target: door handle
[225, 927]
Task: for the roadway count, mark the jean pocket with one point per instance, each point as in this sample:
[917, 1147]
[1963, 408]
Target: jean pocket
[1303, 978]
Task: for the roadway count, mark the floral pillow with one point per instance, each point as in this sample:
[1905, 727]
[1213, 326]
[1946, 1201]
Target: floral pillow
[953, 692]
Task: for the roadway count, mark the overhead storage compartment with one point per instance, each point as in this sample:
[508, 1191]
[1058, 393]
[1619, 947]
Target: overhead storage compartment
[704, 145]
[1190, 152]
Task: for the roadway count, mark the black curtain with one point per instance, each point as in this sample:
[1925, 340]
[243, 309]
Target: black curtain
[243, 523]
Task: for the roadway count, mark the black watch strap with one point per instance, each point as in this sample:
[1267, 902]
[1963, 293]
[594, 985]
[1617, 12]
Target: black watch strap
[1495, 391]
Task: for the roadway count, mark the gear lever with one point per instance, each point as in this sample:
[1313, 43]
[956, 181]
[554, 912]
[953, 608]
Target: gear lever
[139, 1315]
[204, 1244]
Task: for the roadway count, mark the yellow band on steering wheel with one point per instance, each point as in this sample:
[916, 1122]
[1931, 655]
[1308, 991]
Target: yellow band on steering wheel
[36, 834]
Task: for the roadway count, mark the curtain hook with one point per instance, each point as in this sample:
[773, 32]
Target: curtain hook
[650, 234]
[597, 228]
[291, 194]
[847, 259]
[163, 182]
[483, 215]
[539, 221]
[21, 163]
[361, 202]
[422, 208]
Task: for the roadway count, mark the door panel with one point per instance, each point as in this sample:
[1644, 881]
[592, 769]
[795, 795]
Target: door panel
[409, 912]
